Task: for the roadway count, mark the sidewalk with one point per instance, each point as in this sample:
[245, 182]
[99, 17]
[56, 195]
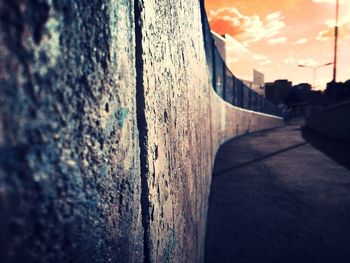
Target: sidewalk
[276, 197]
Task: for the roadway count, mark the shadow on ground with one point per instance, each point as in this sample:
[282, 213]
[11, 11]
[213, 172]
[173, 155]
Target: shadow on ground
[259, 159]
[338, 150]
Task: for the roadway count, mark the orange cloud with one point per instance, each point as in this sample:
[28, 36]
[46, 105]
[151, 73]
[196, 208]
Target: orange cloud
[223, 26]
[250, 29]
[344, 31]
[300, 41]
[278, 40]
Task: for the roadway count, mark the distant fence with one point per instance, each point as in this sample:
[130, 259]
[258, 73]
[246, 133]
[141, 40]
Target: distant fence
[226, 85]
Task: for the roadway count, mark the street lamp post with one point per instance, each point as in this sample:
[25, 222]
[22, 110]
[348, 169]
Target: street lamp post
[314, 69]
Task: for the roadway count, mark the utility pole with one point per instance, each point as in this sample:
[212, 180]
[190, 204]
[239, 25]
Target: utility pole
[335, 42]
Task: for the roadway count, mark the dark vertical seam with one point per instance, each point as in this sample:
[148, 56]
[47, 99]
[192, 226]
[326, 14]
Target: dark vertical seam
[143, 131]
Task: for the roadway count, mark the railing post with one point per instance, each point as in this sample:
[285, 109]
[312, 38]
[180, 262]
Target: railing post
[249, 99]
[214, 63]
[233, 90]
[244, 98]
[224, 80]
[240, 94]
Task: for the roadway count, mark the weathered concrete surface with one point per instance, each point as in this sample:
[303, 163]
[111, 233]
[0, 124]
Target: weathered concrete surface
[69, 155]
[177, 109]
[276, 198]
[108, 131]
[228, 121]
[186, 122]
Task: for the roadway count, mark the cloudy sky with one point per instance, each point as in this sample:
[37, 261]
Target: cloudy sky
[284, 33]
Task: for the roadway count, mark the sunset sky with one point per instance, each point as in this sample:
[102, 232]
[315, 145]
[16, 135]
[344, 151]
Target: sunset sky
[281, 34]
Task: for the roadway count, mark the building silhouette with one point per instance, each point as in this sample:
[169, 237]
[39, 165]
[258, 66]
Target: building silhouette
[278, 90]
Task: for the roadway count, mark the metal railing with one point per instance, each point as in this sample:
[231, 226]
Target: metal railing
[226, 85]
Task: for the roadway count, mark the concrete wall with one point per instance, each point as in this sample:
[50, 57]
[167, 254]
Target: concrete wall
[108, 131]
[69, 152]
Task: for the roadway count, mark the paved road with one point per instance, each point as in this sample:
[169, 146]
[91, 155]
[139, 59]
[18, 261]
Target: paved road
[276, 197]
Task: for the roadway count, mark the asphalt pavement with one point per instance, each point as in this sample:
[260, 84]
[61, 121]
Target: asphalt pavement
[281, 195]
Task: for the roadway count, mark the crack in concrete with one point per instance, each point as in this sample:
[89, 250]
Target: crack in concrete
[143, 131]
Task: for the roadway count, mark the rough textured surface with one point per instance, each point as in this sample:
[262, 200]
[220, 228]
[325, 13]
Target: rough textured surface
[69, 165]
[186, 123]
[108, 131]
[177, 110]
